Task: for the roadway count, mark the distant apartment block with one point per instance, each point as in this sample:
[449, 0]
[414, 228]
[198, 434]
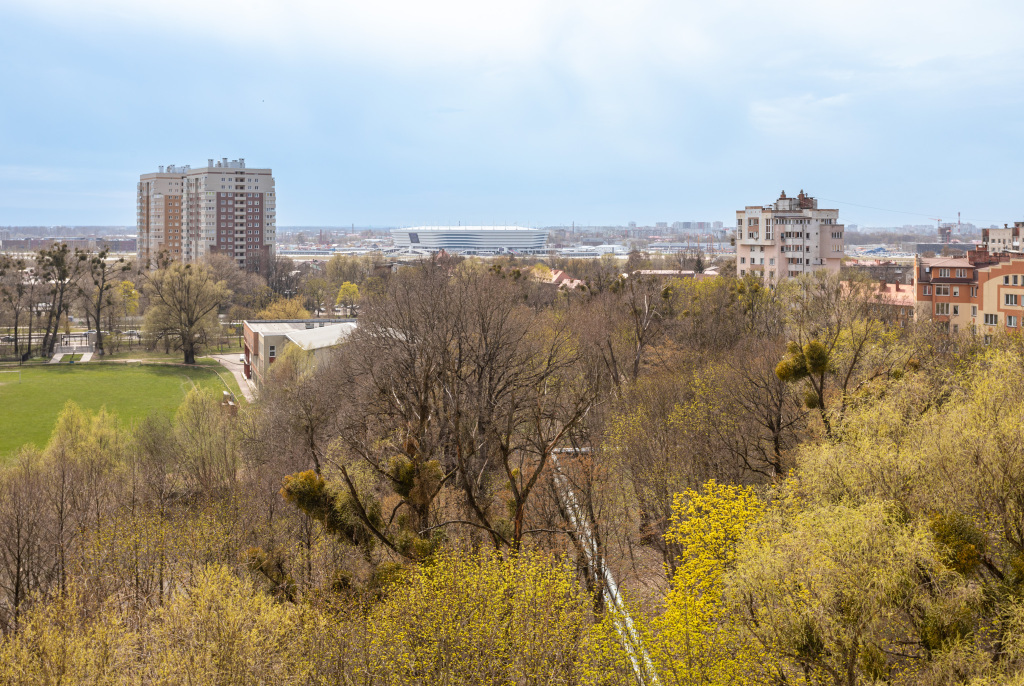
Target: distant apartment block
[116, 244]
[185, 214]
[1006, 239]
[788, 238]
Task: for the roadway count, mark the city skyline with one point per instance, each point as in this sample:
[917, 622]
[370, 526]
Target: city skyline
[541, 115]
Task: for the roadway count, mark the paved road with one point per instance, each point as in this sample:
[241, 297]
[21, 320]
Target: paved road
[231, 363]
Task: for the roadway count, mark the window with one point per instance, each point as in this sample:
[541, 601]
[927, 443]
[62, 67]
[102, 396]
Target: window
[1006, 280]
[743, 260]
[271, 351]
[1010, 299]
[974, 310]
[941, 309]
[944, 273]
[956, 291]
[956, 310]
[941, 289]
[771, 260]
[991, 319]
[927, 290]
[974, 291]
[1014, 279]
[1011, 321]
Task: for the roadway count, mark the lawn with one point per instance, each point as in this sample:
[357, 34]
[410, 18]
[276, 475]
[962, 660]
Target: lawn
[29, 408]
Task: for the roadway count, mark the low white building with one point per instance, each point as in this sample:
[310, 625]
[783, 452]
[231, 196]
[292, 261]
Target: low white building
[471, 240]
[266, 340]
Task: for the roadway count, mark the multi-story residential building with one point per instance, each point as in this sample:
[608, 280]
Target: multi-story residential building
[787, 238]
[185, 214]
[982, 292]
[1006, 239]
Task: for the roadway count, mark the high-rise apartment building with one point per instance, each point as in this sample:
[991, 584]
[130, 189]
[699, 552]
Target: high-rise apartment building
[185, 214]
[787, 238]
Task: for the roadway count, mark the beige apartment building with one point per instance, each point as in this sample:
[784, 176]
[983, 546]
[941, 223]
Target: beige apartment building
[186, 214]
[1006, 239]
[792, 236]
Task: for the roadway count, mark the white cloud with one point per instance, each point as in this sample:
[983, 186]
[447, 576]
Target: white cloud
[658, 33]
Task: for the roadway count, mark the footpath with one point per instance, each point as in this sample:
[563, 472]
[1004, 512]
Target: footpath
[230, 363]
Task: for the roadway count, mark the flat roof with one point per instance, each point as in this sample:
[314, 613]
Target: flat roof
[320, 337]
[285, 325]
[468, 228]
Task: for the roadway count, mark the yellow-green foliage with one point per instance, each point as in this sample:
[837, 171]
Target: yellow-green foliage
[77, 435]
[284, 309]
[292, 365]
[348, 294]
[480, 619]
[836, 588]
[58, 643]
[696, 641]
[956, 451]
[222, 631]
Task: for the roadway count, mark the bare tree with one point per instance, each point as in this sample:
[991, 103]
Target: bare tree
[59, 269]
[15, 289]
[100, 295]
[318, 294]
[183, 303]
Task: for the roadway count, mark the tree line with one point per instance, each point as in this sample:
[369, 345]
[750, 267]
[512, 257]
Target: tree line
[116, 301]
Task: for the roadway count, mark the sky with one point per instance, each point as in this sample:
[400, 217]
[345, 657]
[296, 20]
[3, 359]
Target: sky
[534, 112]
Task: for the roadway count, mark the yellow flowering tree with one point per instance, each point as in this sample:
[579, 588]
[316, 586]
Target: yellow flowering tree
[696, 640]
[480, 619]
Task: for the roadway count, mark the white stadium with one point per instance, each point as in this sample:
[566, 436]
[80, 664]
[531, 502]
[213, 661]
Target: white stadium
[471, 240]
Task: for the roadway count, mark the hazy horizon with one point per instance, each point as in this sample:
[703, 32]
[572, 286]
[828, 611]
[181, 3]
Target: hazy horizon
[542, 114]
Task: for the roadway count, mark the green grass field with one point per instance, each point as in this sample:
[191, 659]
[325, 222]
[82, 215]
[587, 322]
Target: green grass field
[29, 408]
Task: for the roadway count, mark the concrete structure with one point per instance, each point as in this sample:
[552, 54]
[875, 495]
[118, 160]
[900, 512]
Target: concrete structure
[982, 292]
[266, 339]
[186, 214]
[787, 238]
[471, 240]
[594, 251]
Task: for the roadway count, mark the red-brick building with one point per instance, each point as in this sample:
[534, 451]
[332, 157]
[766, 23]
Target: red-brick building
[982, 292]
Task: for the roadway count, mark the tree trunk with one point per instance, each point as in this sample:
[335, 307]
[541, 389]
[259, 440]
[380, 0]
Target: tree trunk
[17, 314]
